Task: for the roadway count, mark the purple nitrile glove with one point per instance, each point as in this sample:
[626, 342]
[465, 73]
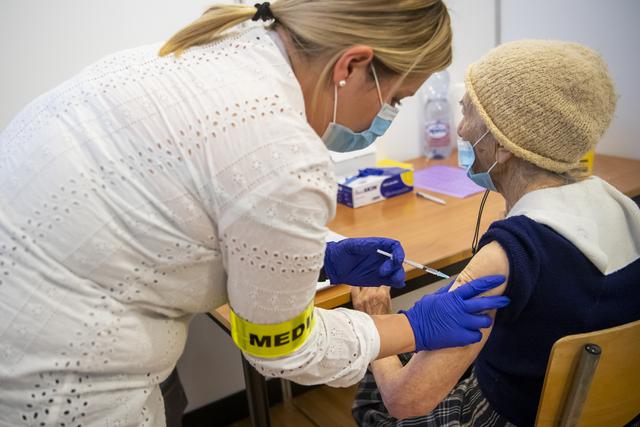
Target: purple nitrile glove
[453, 319]
[356, 262]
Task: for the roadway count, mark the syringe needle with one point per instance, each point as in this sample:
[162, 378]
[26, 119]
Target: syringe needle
[416, 265]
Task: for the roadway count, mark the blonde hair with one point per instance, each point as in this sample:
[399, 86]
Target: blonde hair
[407, 36]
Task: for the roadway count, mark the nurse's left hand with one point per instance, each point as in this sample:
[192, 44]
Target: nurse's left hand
[356, 262]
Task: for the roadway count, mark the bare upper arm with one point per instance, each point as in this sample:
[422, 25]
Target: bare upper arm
[430, 375]
[490, 260]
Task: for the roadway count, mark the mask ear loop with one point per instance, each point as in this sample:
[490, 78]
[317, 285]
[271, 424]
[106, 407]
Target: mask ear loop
[492, 166]
[375, 77]
[335, 102]
[495, 163]
[480, 139]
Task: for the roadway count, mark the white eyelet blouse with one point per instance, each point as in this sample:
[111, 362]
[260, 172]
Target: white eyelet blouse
[145, 190]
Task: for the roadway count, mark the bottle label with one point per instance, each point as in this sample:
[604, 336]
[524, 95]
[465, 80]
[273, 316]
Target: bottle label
[437, 134]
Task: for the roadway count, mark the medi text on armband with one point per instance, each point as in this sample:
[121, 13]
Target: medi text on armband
[275, 339]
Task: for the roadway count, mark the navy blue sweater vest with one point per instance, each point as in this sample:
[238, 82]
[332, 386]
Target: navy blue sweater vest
[555, 291]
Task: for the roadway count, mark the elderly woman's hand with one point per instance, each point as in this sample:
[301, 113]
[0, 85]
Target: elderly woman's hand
[371, 300]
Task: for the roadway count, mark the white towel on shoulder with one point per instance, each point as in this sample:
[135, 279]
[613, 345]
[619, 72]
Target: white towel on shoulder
[599, 220]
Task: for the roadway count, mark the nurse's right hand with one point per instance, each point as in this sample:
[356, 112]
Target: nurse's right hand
[454, 319]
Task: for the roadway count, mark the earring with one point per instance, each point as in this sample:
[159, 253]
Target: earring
[342, 83]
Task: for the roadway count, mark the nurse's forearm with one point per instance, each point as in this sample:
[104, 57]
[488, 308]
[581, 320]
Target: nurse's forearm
[396, 335]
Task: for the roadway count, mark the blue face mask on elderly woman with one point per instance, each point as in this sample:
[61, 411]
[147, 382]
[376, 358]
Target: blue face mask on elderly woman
[342, 139]
[466, 159]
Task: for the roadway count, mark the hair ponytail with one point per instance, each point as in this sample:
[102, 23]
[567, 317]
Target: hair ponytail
[209, 27]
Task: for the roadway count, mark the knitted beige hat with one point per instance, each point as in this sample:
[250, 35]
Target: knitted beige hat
[548, 102]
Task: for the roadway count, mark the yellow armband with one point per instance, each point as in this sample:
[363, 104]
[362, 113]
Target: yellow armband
[275, 339]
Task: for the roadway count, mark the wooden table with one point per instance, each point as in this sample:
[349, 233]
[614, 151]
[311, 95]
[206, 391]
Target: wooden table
[432, 234]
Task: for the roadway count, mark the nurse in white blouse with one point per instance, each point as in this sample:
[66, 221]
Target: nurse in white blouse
[151, 187]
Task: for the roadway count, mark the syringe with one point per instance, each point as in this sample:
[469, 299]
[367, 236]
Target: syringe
[417, 265]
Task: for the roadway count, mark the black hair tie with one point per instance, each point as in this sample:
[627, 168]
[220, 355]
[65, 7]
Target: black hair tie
[263, 12]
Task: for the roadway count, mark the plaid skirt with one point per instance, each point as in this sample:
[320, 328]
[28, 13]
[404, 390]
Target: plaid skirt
[464, 406]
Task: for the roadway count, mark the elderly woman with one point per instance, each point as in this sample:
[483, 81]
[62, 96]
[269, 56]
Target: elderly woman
[570, 247]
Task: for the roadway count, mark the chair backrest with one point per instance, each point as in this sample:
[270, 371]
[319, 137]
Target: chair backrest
[613, 397]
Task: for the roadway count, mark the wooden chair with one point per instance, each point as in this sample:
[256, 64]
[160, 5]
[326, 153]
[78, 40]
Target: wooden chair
[593, 379]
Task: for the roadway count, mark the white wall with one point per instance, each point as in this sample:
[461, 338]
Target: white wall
[610, 27]
[45, 42]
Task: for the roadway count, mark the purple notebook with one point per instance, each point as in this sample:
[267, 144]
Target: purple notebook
[448, 180]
